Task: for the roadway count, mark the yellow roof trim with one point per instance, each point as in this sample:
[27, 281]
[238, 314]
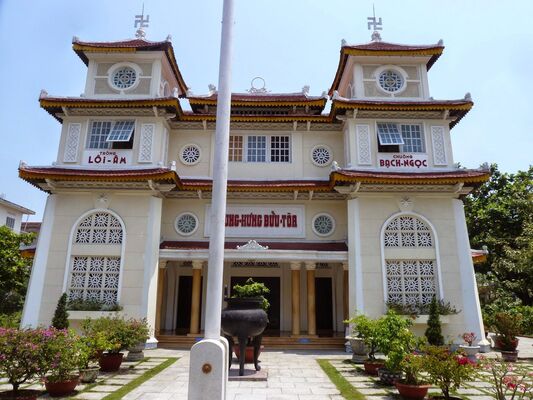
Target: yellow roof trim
[253, 118]
[337, 177]
[339, 104]
[422, 52]
[262, 103]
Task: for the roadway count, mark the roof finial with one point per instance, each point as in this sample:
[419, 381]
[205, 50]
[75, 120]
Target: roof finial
[376, 25]
[141, 23]
[257, 89]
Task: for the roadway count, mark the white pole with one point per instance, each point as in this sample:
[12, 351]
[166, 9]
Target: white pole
[220, 178]
[208, 370]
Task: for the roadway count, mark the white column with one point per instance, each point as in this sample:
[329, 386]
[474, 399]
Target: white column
[151, 268]
[355, 267]
[208, 368]
[32, 304]
[471, 308]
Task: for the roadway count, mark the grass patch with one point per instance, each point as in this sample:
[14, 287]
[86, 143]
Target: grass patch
[118, 394]
[345, 387]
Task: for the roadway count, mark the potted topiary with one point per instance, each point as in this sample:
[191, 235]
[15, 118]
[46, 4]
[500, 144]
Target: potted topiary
[470, 350]
[414, 385]
[65, 353]
[368, 330]
[60, 320]
[447, 370]
[139, 330]
[95, 343]
[21, 360]
[245, 317]
[507, 327]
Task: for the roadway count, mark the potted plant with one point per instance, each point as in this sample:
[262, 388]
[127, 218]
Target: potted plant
[140, 331]
[357, 342]
[368, 330]
[507, 327]
[117, 336]
[395, 341]
[21, 360]
[94, 345]
[470, 349]
[414, 385]
[447, 370]
[509, 381]
[65, 353]
[245, 317]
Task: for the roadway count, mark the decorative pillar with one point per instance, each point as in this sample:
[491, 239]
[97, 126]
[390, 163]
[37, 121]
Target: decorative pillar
[295, 281]
[196, 296]
[345, 287]
[473, 321]
[311, 311]
[355, 264]
[161, 279]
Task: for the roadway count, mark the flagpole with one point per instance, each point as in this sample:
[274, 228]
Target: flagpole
[209, 357]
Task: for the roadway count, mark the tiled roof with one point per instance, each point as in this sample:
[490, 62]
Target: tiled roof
[446, 178]
[260, 97]
[54, 104]
[433, 52]
[130, 46]
[457, 108]
[311, 246]
[259, 185]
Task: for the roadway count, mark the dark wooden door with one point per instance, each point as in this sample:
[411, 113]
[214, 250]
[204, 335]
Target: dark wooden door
[183, 316]
[324, 306]
[273, 284]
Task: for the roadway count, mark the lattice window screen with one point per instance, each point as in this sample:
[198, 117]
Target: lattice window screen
[411, 281]
[99, 228]
[407, 231]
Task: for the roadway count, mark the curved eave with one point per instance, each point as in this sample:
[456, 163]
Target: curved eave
[54, 106]
[260, 118]
[279, 103]
[475, 178]
[457, 109]
[80, 49]
[433, 52]
[264, 186]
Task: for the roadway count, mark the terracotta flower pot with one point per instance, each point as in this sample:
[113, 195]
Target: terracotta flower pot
[416, 392]
[509, 356]
[25, 394]
[248, 355]
[62, 388]
[110, 362]
[500, 344]
[371, 367]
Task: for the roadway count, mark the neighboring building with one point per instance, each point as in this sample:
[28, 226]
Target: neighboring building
[11, 214]
[31, 227]
[336, 212]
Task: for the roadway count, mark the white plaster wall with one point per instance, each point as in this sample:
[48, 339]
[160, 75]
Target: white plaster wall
[133, 209]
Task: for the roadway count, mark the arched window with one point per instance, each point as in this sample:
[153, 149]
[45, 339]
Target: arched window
[95, 260]
[410, 261]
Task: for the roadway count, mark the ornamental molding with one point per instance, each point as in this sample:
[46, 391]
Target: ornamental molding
[406, 204]
[146, 143]
[364, 153]
[72, 143]
[252, 245]
[439, 146]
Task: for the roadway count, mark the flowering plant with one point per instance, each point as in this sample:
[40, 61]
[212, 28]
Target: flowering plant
[413, 367]
[469, 337]
[63, 352]
[509, 382]
[20, 355]
[447, 370]
[118, 334]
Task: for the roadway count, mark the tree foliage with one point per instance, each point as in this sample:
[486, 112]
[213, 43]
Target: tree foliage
[60, 320]
[500, 216]
[14, 269]
[434, 332]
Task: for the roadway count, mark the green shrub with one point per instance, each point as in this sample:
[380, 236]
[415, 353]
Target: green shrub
[252, 289]
[10, 320]
[60, 320]
[115, 333]
[92, 305]
[368, 330]
[434, 332]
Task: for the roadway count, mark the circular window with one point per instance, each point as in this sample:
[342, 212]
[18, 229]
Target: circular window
[186, 224]
[391, 81]
[124, 78]
[321, 155]
[323, 224]
[190, 154]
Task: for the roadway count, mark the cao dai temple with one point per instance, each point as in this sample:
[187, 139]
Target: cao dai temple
[335, 211]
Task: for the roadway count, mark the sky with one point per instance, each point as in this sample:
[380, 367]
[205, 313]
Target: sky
[289, 43]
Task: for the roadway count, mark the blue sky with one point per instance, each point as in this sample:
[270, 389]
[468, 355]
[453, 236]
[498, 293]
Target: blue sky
[289, 43]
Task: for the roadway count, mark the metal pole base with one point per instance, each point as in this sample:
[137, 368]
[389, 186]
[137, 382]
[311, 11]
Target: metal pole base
[208, 372]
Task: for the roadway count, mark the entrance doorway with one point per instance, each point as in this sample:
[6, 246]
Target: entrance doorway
[324, 306]
[183, 316]
[273, 284]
